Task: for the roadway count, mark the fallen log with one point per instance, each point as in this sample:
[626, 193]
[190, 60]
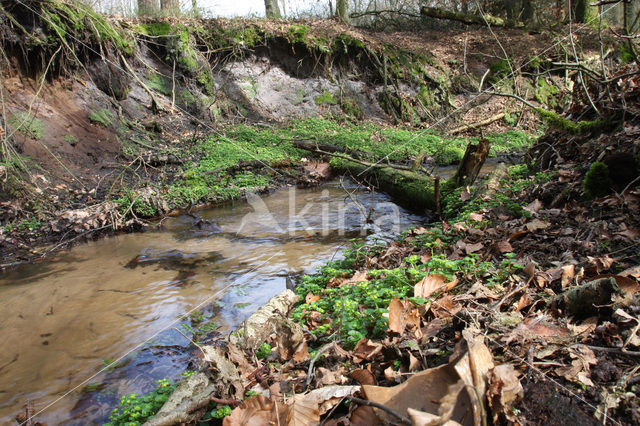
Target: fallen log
[351, 155]
[411, 188]
[482, 123]
[494, 21]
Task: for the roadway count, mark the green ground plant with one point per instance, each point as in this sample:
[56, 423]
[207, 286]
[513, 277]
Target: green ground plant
[359, 310]
[101, 116]
[215, 174]
[26, 124]
[134, 410]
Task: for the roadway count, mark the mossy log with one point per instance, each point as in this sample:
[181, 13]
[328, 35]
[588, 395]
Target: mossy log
[586, 299]
[494, 21]
[411, 188]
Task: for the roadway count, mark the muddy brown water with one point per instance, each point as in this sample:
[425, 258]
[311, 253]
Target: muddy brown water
[118, 299]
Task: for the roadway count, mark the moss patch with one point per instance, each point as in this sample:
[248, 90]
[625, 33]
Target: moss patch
[27, 124]
[597, 182]
[326, 98]
[101, 116]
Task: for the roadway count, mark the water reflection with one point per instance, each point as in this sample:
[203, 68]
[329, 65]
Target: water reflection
[64, 320]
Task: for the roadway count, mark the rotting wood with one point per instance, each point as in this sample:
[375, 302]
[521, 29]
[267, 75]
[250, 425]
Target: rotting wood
[469, 168]
[413, 189]
[585, 299]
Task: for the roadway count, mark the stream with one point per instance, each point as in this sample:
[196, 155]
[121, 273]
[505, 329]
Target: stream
[100, 320]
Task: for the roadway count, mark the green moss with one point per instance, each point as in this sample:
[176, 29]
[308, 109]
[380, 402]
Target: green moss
[250, 87]
[298, 33]
[71, 140]
[575, 128]
[596, 181]
[155, 28]
[625, 54]
[499, 70]
[66, 18]
[101, 116]
[351, 107]
[545, 93]
[326, 98]
[27, 124]
[298, 97]
[159, 83]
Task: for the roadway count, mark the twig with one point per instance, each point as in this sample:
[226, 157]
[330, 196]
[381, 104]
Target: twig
[204, 355]
[575, 54]
[315, 358]
[436, 189]
[173, 86]
[477, 124]
[614, 350]
[402, 418]
[509, 95]
[155, 105]
[223, 401]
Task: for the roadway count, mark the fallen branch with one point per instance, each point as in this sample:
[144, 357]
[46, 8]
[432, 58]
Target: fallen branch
[434, 12]
[322, 350]
[349, 155]
[403, 419]
[482, 123]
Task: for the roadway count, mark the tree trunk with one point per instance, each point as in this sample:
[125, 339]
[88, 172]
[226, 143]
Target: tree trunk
[272, 9]
[527, 11]
[342, 10]
[170, 7]
[194, 8]
[579, 10]
[147, 7]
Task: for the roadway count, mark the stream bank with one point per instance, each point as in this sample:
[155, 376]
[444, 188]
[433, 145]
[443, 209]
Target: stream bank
[144, 117]
[101, 316]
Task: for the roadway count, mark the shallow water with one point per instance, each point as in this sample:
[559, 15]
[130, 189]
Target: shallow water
[64, 320]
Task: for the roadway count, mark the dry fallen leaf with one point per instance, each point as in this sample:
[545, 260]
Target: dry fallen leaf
[437, 390]
[534, 206]
[422, 391]
[414, 364]
[539, 328]
[364, 416]
[625, 283]
[392, 375]
[472, 248]
[536, 225]
[310, 297]
[402, 315]
[303, 411]
[257, 410]
[364, 377]
[432, 283]
[568, 272]
[327, 397]
[579, 369]
[503, 247]
[631, 272]
[365, 349]
[602, 263]
[505, 391]
[477, 217]
[301, 353]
